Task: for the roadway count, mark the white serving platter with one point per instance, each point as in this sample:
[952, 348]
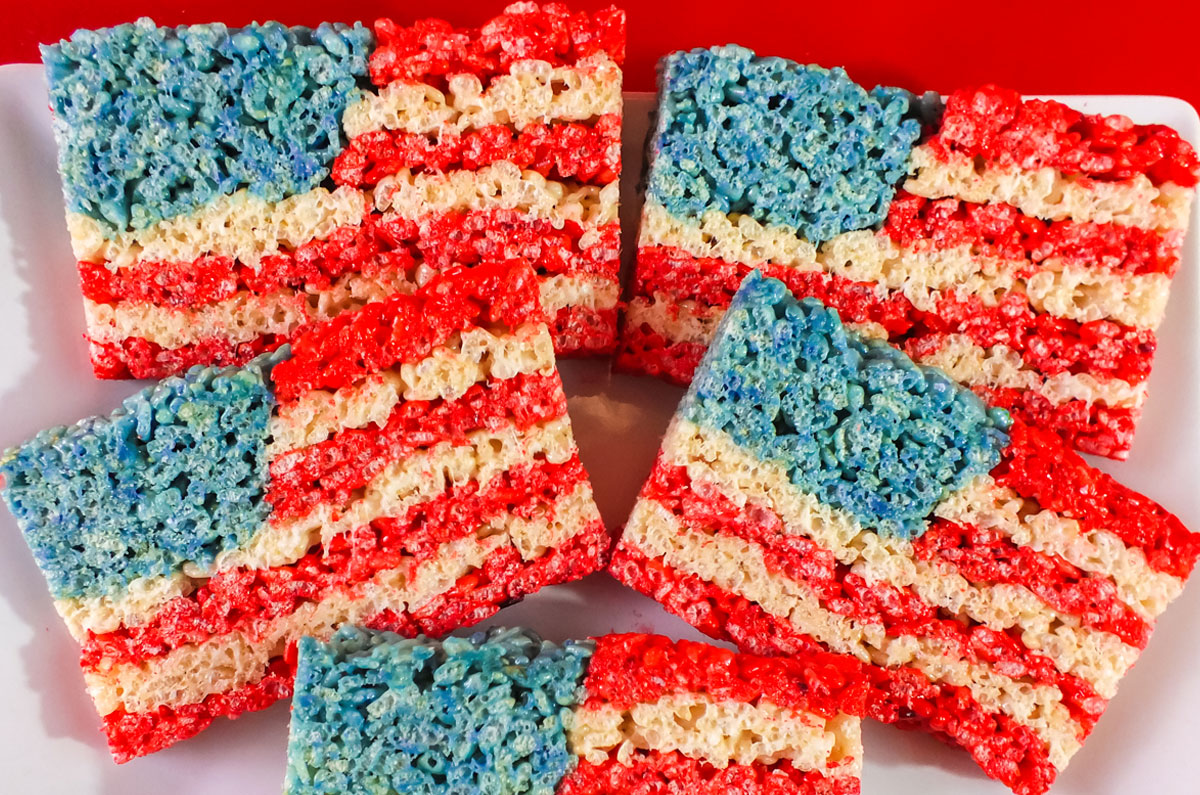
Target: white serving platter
[49, 740]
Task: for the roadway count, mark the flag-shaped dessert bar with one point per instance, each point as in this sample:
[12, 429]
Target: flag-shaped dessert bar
[1022, 246]
[816, 489]
[504, 712]
[409, 465]
[226, 187]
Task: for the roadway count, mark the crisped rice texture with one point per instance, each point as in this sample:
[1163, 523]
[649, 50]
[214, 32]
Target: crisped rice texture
[855, 422]
[153, 123]
[176, 475]
[790, 145]
[374, 712]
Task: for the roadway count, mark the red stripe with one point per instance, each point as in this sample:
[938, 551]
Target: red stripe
[589, 153]
[659, 773]
[1088, 427]
[406, 328]
[204, 280]
[380, 245]
[331, 470]
[1006, 750]
[1048, 344]
[644, 351]
[997, 125]
[248, 600]
[581, 331]
[136, 357]
[134, 734]
[431, 48]
[504, 578]
[1037, 466]
[443, 240]
[636, 668]
[900, 611]
[1001, 230]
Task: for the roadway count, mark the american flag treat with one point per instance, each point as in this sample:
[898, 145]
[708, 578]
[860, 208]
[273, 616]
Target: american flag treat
[1021, 246]
[227, 187]
[505, 712]
[409, 466]
[818, 490]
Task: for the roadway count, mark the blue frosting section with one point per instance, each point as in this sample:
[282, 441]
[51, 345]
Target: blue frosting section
[854, 421]
[488, 715]
[156, 122]
[797, 146]
[178, 474]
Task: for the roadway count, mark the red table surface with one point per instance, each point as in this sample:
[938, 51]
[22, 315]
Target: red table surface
[1039, 47]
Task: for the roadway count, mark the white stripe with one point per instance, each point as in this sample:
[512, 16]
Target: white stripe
[719, 732]
[498, 186]
[595, 293]
[1049, 194]
[737, 238]
[240, 226]
[532, 91]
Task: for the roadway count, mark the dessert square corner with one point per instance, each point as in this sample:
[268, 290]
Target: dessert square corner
[1024, 247]
[816, 489]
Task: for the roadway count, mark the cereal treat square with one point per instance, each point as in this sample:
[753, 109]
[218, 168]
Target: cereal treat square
[753, 162]
[1023, 247]
[506, 713]
[409, 465]
[817, 489]
[227, 187]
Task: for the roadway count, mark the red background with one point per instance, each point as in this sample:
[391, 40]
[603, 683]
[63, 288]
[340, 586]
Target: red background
[1049, 46]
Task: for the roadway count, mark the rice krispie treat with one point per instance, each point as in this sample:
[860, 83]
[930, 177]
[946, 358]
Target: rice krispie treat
[1020, 245]
[507, 713]
[226, 187]
[818, 490]
[408, 466]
